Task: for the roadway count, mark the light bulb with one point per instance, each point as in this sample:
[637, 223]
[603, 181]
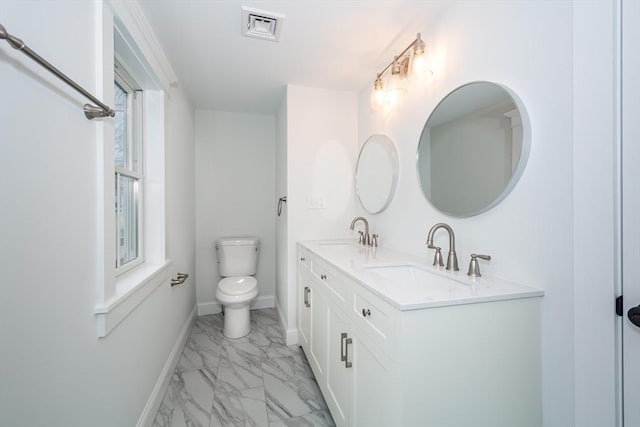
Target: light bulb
[419, 63]
[378, 95]
[396, 84]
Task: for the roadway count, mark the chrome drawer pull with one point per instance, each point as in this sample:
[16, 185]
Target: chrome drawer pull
[366, 312]
[307, 291]
[343, 356]
[347, 364]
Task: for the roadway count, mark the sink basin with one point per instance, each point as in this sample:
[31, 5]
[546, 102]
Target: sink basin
[404, 273]
[336, 243]
[411, 274]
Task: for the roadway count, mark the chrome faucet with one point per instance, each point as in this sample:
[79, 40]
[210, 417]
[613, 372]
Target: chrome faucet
[452, 259]
[365, 239]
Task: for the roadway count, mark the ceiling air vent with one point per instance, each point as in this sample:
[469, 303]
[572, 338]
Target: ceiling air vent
[260, 24]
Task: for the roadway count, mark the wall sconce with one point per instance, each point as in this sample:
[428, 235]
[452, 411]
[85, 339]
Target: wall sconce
[411, 61]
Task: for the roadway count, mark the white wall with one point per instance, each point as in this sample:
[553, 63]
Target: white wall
[321, 141]
[282, 240]
[526, 46]
[235, 196]
[54, 371]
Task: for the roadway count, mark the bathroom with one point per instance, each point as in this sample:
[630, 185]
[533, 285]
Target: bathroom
[558, 229]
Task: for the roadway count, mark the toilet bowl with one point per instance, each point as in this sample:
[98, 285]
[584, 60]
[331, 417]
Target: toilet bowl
[237, 263]
[236, 294]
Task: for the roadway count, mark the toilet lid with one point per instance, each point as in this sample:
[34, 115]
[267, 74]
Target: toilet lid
[237, 285]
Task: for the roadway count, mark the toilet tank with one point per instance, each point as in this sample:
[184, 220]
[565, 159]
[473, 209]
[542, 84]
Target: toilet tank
[237, 256]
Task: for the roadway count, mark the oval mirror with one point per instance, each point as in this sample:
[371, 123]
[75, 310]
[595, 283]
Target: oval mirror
[376, 173]
[473, 149]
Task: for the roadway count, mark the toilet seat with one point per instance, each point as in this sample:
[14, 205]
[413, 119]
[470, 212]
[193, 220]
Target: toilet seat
[238, 285]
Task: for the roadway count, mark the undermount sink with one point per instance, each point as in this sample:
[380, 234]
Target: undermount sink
[340, 246]
[407, 273]
[336, 243]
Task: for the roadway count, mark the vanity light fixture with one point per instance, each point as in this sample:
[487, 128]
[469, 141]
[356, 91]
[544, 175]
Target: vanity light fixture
[397, 81]
[419, 61]
[411, 61]
[378, 92]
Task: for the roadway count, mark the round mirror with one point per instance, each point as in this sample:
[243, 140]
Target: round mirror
[376, 173]
[473, 149]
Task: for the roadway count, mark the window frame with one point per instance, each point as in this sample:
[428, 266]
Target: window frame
[123, 37]
[135, 146]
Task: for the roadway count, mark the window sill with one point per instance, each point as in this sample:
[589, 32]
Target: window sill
[132, 288]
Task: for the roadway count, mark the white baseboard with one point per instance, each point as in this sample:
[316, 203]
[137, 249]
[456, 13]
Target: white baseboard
[291, 335]
[213, 307]
[157, 394]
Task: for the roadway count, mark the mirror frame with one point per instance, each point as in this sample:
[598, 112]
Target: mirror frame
[393, 152]
[522, 161]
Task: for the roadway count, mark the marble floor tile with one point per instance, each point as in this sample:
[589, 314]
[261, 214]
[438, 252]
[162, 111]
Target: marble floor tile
[247, 408]
[253, 381]
[269, 339]
[241, 365]
[201, 351]
[210, 324]
[289, 395]
[188, 400]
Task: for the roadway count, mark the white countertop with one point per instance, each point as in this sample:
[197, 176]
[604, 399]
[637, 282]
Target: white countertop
[420, 285]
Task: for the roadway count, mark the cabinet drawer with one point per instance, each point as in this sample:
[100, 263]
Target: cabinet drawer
[303, 258]
[335, 284]
[373, 316]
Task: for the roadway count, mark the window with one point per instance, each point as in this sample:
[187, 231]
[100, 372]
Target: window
[131, 260]
[129, 177]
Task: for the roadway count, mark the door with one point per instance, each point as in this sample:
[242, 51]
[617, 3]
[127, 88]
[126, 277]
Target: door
[371, 384]
[304, 308]
[318, 343]
[631, 210]
[339, 374]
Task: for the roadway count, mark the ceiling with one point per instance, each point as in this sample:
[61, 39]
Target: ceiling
[332, 44]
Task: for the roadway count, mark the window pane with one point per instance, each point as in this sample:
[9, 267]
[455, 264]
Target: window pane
[126, 218]
[120, 127]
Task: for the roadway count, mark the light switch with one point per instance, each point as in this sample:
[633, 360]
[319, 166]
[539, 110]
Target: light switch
[316, 202]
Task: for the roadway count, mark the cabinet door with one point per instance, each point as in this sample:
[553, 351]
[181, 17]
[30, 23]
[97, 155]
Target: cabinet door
[317, 354]
[339, 377]
[372, 392]
[304, 309]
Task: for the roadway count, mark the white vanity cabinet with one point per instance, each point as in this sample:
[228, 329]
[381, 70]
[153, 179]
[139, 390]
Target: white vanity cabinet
[449, 364]
[345, 359]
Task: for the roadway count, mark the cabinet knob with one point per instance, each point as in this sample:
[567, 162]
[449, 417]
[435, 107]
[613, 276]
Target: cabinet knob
[323, 276]
[302, 258]
[366, 312]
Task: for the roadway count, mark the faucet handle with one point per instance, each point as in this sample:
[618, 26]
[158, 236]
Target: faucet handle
[437, 257]
[474, 266]
[360, 237]
[374, 240]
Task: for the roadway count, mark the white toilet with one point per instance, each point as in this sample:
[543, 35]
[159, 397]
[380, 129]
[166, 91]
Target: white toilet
[237, 263]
